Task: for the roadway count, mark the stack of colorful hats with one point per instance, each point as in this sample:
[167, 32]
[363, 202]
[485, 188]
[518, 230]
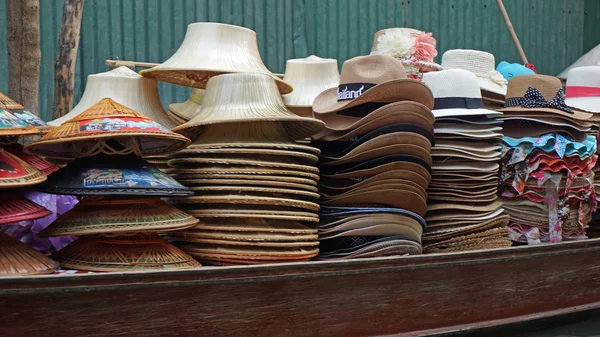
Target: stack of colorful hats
[255, 186]
[120, 212]
[463, 211]
[375, 160]
[547, 160]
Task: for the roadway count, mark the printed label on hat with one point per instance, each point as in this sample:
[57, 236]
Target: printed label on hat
[125, 178]
[350, 91]
[28, 117]
[119, 124]
[8, 120]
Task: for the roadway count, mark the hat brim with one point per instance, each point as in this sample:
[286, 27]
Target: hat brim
[488, 85]
[387, 92]
[577, 114]
[185, 110]
[440, 113]
[588, 104]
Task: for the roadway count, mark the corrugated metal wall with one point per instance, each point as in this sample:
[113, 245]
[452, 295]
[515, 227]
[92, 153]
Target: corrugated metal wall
[554, 33]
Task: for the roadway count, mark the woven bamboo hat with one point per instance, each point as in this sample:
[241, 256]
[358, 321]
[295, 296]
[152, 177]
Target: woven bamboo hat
[247, 98]
[480, 63]
[119, 216]
[368, 79]
[10, 125]
[14, 172]
[113, 175]
[310, 76]
[126, 87]
[187, 110]
[34, 161]
[15, 209]
[210, 49]
[18, 259]
[7, 103]
[111, 128]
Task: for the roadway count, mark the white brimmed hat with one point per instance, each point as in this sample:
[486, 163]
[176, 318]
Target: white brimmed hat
[125, 87]
[456, 93]
[480, 63]
[583, 88]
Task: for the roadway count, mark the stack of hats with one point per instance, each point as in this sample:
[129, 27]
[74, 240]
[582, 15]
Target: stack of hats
[463, 211]
[120, 212]
[181, 113]
[255, 186]
[17, 110]
[375, 160]
[547, 160]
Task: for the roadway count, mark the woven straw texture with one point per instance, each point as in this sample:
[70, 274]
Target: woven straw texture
[14, 172]
[13, 210]
[183, 112]
[18, 259]
[36, 162]
[17, 110]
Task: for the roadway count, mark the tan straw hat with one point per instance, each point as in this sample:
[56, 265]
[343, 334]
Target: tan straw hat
[210, 49]
[14, 172]
[111, 128]
[19, 111]
[125, 87]
[17, 258]
[187, 110]
[243, 99]
[372, 78]
[310, 76]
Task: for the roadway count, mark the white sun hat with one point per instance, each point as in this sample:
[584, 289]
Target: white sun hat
[583, 88]
[480, 63]
[456, 93]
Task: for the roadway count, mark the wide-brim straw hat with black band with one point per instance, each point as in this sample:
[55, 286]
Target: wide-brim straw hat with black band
[244, 99]
[17, 110]
[210, 49]
[18, 259]
[310, 76]
[14, 172]
[369, 79]
[125, 87]
[539, 93]
[185, 111]
[583, 89]
[111, 128]
[480, 63]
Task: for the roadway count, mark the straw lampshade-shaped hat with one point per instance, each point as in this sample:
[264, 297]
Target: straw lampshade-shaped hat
[583, 89]
[16, 173]
[16, 109]
[480, 63]
[211, 49]
[111, 128]
[187, 110]
[125, 87]
[17, 258]
[310, 77]
[15, 209]
[250, 101]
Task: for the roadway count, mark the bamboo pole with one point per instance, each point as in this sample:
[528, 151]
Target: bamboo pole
[512, 32]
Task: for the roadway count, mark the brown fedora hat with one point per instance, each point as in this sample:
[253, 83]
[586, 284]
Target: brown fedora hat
[337, 186]
[372, 78]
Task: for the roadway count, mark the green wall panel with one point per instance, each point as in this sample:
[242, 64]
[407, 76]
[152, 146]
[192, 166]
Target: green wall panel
[554, 33]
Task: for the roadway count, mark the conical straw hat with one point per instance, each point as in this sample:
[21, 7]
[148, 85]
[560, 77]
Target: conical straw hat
[7, 103]
[188, 109]
[247, 98]
[211, 49]
[119, 216]
[10, 125]
[111, 128]
[36, 162]
[18, 259]
[125, 87]
[309, 76]
[14, 172]
[15, 209]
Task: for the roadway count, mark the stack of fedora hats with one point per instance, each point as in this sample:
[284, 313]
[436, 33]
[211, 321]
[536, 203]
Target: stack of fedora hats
[375, 160]
[547, 158]
[180, 113]
[120, 211]
[482, 64]
[255, 186]
[463, 211]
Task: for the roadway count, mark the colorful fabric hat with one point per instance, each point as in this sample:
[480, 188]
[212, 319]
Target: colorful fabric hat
[119, 216]
[249, 101]
[183, 112]
[18, 259]
[416, 49]
[126, 87]
[14, 172]
[210, 49]
[36, 162]
[368, 79]
[479, 63]
[14, 209]
[113, 175]
[7, 103]
[310, 76]
[111, 128]
[583, 89]
[510, 70]
[124, 253]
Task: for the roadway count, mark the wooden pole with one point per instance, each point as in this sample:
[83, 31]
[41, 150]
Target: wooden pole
[512, 32]
[66, 57]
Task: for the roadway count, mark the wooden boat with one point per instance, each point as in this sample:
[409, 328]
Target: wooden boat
[406, 296]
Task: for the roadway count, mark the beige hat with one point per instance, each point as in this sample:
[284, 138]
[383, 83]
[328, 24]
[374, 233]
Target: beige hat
[247, 100]
[480, 63]
[583, 89]
[211, 49]
[123, 86]
[310, 77]
[188, 109]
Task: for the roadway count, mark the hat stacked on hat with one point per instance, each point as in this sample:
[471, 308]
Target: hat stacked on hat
[463, 211]
[18, 111]
[255, 186]
[180, 113]
[120, 211]
[375, 160]
[547, 160]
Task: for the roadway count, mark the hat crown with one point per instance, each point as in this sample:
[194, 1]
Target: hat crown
[412, 31]
[309, 77]
[480, 63]
[548, 86]
[374, 69]
[584, 77]
[453, 83]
